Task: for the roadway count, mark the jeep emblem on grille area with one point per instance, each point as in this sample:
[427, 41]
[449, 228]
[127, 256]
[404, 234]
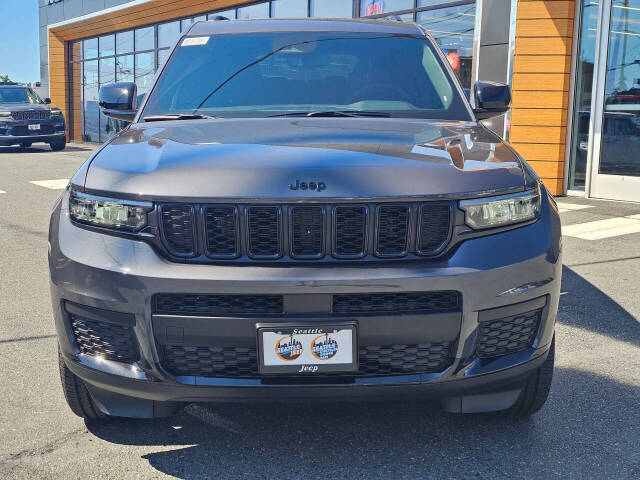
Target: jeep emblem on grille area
[298, 185]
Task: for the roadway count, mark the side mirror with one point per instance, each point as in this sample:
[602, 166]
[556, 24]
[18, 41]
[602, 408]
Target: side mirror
[119, 100]
[492, 99]
[47, 100]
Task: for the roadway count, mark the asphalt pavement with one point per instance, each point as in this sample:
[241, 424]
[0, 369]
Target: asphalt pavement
[589, 428]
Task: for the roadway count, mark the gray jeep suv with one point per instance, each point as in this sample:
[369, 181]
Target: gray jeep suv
[304, 210]
[26, 119]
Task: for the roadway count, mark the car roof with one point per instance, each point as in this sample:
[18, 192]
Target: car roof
[13, 86]
[305, 25]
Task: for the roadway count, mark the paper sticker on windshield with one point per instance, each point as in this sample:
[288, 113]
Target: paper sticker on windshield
[192, 41]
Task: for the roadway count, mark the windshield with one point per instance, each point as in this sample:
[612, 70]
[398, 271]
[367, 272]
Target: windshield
[258, 75]
[18, 95]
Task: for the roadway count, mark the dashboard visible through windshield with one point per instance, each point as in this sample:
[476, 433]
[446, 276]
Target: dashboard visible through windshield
[306, 73]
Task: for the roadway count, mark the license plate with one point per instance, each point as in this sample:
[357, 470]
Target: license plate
[307, 349]
[34, 126]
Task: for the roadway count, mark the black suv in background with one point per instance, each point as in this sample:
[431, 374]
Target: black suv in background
[26, 119]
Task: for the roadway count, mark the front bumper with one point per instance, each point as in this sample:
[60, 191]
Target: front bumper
[55, 131]
[512, 270]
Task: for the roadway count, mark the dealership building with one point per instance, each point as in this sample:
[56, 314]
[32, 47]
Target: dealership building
[573, 65]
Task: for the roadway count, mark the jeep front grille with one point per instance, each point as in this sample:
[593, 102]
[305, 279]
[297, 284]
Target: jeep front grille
[30, 115]
[308, 232]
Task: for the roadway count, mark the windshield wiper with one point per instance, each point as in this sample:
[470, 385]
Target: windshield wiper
[333, 113]
[176, 116]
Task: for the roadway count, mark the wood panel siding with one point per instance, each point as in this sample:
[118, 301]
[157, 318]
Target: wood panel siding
[541, 84]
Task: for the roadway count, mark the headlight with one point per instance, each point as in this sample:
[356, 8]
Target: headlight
[56, 113]
[126, 215]
[504, 210]
[5, 114]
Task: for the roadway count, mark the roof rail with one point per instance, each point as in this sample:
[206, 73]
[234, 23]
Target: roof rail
[9, 83]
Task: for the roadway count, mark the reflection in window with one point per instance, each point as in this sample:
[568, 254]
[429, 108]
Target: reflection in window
[145, 68]
[289, 8]
[124, 68]
[620, 142]
[376, 7]
[230, 14]
[90, 102]
[167, 34]
[261, 10]
[452, 27]
[107, 45]
[582, 100]
[145, 39]
[124, 42]
[331, 9]
[90, 48]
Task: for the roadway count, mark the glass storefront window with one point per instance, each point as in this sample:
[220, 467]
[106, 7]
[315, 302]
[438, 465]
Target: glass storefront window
[144, 71]
[289, 8]
[331, 8]
[124, 42]
[107, 45]
[145, 39]
[90, 48]
[167, 34]
[107, 70]
[376, 7]
[90, 109]
[582, 96]
[260, 10]
[124, 68]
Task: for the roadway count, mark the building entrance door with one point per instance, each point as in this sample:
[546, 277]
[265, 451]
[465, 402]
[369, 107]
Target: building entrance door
[615, 131]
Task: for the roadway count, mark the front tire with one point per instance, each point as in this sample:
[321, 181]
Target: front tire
[77, 395]
[58, 145]
[536, 390]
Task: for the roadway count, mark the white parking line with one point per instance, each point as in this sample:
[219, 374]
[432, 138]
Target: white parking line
[2, 191]
[570, 207]
[611, 227]
[52, 184]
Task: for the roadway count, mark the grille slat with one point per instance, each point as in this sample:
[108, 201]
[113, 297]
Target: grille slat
[265, 225]
[376, 360]
[263, 232]
[178, 227]
[406, 302]
[221, 231]
[393, 230]
[435, 221]
[507, 335]
[350, 225]
[217, 305]
[105, 340]
[307, 232]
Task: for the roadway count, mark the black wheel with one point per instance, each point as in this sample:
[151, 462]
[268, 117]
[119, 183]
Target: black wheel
[58, 145]
[77, 395]
[536, 390]
[25, 144]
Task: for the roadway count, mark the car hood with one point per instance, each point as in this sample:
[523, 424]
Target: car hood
[262, 158]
